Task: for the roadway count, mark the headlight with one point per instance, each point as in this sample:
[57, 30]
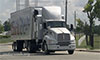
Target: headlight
[72, 39]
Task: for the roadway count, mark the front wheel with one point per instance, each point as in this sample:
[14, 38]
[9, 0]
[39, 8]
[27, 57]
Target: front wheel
[70, 51]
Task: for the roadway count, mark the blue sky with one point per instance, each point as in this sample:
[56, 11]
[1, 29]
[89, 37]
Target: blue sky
[8, 6]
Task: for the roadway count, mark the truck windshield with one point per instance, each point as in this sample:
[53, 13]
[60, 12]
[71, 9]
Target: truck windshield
[56, 24]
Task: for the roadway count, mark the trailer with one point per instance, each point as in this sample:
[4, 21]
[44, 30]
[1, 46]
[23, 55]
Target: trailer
[41, 28]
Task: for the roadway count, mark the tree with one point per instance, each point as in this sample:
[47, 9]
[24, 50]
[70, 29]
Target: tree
[6, 26]
[86, 32]
[97, 29]
[97, 9]
[90, 10]
[80, 25]
[1, 27]
[83, 28]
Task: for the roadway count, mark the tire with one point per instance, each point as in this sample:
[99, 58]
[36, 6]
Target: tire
[14, 47]
[70, 51]
[31, 48]
[17, 46]
[45, 48]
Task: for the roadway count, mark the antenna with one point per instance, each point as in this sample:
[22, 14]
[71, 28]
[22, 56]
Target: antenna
[66, 2]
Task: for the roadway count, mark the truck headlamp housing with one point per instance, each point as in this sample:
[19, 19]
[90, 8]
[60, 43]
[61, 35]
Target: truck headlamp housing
[72, 39]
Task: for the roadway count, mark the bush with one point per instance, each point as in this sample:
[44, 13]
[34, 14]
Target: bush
[4, 36]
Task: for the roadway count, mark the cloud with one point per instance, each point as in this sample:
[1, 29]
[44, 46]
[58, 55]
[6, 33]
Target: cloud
[5, 15]
[78, 6]
[8, 6]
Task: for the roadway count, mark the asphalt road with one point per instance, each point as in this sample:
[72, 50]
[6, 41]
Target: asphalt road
[6, 53]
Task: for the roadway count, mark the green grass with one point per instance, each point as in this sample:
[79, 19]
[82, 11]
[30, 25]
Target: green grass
[5, 40]
[83, 45]
[78, 36]
[97, 42]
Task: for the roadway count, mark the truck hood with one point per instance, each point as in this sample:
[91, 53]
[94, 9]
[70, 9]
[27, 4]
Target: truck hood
[60, 30]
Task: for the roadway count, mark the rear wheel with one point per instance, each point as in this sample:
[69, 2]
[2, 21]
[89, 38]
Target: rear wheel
[31, 47]
[70, 51]
[14, 47]
[17, 46]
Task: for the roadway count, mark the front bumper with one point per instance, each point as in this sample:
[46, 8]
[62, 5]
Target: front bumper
[61, 48]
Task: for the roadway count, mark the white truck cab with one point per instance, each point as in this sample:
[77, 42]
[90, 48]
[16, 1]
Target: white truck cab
[57, 37]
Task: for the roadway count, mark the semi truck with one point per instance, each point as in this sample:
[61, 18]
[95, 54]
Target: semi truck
[41, 29]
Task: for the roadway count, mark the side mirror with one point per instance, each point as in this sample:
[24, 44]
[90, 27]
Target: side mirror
[71, 27]
[35, 13]
[44, 26]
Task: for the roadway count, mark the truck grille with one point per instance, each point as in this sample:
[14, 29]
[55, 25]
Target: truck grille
[63, 39]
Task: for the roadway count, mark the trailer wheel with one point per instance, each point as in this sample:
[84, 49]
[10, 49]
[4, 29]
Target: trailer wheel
[31, 47]
[14, 47]
[17, 46]
[45, 48]
[70, 51]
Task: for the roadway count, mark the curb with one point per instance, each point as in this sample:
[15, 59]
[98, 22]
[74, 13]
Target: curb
[89, 51]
